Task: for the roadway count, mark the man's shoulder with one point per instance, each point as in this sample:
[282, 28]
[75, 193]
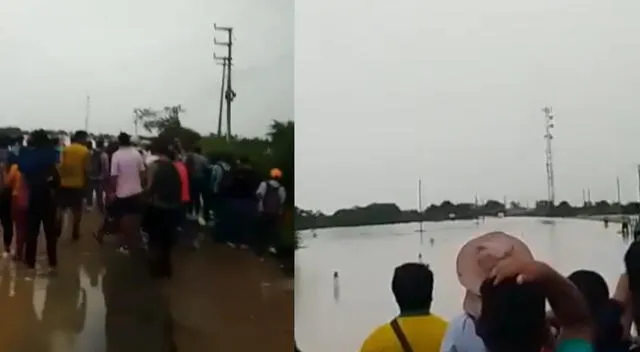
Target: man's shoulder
[128, 153]
[379, 339]
[77, 147]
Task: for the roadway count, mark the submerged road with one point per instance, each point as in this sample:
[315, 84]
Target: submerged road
[218, 300]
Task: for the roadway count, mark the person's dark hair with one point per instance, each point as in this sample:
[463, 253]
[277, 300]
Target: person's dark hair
[593, 288]
[88, 144]
[606, 312]
[39, 139]
[160, 146]
[100, 144]
[5, 141]
[111, 148]
[55, 140]
[124, 140]
[80, 136]
[412, 286]
[513, 317]
[632, 267]
[226, 157]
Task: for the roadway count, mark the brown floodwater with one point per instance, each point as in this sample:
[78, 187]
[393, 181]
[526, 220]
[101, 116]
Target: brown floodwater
[337, 314]
[100, 301]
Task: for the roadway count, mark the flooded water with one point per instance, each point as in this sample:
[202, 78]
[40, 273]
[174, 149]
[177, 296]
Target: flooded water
[338, 314]
[99, 301]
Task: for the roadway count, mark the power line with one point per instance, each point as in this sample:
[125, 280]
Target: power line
[548, 136]
[227, 62]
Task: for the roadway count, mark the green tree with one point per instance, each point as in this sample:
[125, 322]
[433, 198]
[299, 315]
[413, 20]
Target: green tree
[156, 121]
[166, 124]
[281, 136]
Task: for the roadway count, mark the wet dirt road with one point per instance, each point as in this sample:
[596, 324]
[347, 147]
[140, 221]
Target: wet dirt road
[219, 299]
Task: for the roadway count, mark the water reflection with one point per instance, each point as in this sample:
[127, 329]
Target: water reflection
[366, 262]
[20, 326]
[65, 310]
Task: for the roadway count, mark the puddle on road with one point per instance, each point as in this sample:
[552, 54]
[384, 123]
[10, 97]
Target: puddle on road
[61, 313]
[64, 313]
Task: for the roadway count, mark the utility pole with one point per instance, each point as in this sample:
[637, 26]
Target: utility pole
[135, 125]
[548, 136]
[87, 113]
[639, 179]
[222, 62]
[227, 60]
[618, 189]
[584, 197]
[421, 229]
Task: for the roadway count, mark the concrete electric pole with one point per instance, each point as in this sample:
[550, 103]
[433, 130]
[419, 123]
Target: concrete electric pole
[639, 180]
[223, 62]
[548, 136]
[227, 63]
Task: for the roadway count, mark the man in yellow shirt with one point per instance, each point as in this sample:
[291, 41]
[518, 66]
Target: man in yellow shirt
[74, 172]
[415, 329]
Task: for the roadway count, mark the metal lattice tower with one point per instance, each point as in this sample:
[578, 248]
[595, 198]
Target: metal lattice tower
[548, 136]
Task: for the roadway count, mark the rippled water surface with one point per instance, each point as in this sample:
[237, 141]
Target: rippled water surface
[337, 315]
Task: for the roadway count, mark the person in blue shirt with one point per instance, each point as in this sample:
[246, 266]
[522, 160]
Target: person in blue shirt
[37, 164]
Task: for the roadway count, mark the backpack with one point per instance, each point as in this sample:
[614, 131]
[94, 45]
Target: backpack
[166, 185]
[189, 162]
[96, 164]
[227, 177]
[271, 200]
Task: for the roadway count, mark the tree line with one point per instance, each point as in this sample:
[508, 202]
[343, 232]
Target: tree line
[390, 213]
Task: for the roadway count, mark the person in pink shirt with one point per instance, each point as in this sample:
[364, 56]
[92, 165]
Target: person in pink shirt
[125, 191]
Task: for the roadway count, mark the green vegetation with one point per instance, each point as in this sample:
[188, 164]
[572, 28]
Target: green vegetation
[389, 213]
[274, 150]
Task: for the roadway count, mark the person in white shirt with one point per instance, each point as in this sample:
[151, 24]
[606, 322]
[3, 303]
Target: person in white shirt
[461, 333]
[461, 336]
[127, 168]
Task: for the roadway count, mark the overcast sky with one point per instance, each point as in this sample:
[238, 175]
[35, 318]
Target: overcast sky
[142, 53]
[452, 91]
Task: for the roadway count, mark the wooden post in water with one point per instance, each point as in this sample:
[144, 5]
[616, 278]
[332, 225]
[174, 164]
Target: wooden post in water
[421, 230]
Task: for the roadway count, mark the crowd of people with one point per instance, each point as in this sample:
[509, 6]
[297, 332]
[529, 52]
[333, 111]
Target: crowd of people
[148, 194]
[505, 305]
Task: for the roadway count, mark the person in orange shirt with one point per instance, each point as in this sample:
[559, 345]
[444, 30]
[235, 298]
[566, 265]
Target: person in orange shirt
[19, 203]
[184, 179]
